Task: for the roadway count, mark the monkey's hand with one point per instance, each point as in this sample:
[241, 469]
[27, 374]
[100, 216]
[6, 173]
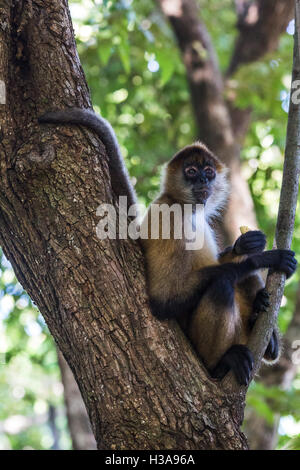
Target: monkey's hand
[250, 242]
[260, 305]
[239, 359]
[281, 260]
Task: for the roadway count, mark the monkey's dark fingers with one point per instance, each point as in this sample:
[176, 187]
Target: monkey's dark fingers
[239, 359]
[241, 367]
[287, 262]
[263, 293]
[246, 362]
[272, 350]
[220, 370]
[239, 364]
[254, 235]
[250, 242]
[237, 367]
[261, 301]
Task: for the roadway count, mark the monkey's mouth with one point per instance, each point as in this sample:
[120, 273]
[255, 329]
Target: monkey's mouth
[201, 195]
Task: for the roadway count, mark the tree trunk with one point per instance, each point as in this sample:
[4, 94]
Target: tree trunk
[219, 123]
[141, 383]
[78, 420]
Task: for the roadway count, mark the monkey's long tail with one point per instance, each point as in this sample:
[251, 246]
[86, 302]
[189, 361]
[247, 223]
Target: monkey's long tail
[85, 117]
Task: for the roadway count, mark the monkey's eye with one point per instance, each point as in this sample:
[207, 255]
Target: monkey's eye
[191, 171]
[209, 172]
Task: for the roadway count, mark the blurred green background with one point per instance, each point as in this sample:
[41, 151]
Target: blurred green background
[137, 81]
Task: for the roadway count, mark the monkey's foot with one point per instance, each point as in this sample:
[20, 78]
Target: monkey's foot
[250, 243]
[239, 359]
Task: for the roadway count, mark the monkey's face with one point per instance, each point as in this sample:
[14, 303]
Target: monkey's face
[196, 176]
[199, 174]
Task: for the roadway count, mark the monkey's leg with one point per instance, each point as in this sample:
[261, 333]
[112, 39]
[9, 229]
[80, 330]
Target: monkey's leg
[215, 330]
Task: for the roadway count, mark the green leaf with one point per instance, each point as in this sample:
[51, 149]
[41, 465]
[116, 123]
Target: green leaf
[124, 54]
[104, 51]
[166, 63]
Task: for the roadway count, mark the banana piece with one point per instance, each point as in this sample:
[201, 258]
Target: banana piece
[244, 229]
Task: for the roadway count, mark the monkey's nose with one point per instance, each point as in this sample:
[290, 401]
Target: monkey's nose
[203, 180]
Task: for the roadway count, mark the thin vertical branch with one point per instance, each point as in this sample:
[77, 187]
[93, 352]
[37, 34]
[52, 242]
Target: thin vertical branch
[287, 207]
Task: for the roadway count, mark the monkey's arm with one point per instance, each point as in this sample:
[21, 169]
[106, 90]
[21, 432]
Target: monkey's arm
[219, 279]
[84, 117]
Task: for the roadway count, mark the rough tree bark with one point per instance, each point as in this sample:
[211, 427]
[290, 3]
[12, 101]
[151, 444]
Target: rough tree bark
[78, 421]
[142, 384]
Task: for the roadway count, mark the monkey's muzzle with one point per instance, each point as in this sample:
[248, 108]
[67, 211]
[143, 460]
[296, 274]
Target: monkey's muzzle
[201, 195]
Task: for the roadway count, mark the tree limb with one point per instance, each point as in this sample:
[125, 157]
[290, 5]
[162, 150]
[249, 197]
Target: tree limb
[260, 25]
[286, 214]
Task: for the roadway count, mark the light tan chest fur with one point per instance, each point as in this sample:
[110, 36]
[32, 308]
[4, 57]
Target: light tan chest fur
[208, 255]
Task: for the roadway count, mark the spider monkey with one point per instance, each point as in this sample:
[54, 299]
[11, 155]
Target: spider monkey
[215, 297]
